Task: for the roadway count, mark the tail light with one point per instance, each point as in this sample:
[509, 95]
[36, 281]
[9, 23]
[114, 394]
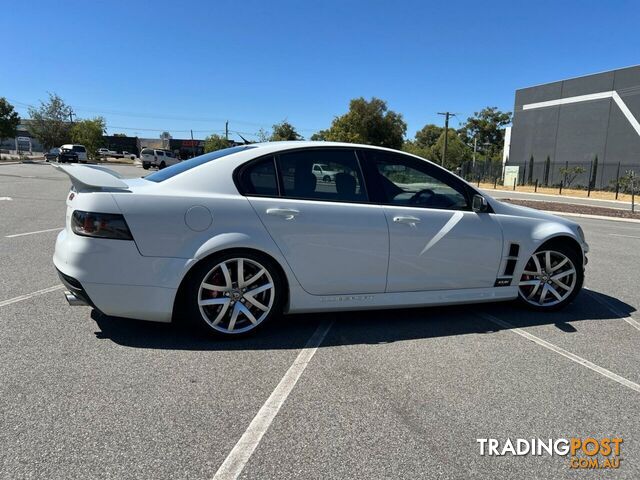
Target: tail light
[100, 225]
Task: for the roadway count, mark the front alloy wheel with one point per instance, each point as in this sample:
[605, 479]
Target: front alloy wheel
[233, 295]
[551, 279]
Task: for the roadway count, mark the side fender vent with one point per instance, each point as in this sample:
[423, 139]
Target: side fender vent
[509, 267]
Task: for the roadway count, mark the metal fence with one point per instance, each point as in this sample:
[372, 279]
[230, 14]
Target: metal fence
[589, 175]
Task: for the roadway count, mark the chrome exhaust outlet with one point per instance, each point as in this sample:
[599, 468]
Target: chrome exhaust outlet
[73, 300]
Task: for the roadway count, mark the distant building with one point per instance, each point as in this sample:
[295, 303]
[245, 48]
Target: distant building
[22, 142]
[572, 122]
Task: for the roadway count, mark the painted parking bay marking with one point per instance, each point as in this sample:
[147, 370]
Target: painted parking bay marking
[27, 296]
[233, 465]
[634, 323]
[33, 233]
[565, 353]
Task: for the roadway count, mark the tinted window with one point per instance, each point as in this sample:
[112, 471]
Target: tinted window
[339, 180]
[260, 178]
[407, 181]
[160, 153]
[79, 148]
[185, 165]
[146, 151]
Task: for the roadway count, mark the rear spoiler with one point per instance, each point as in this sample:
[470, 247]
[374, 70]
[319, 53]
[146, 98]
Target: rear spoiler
[93, 177]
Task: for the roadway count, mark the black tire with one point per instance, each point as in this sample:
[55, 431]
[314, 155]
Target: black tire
[575, 256]
[162, 165]
[146, 167]
[191, 291]
[326, 178]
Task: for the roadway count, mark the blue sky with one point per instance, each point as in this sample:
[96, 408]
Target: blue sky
[151, 66]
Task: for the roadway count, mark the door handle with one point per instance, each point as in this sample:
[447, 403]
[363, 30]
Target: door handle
[287, 213]
[409, 220]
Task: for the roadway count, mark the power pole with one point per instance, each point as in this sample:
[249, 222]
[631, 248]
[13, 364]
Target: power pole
[475, 149]
[71, 116]
[446, 134]
[193, 146]
[226, 130]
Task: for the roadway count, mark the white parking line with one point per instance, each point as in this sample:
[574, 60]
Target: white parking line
[634, 323]
[565, 353]
[233, 465]
[27, 296]
[620, 235]
[32, 233]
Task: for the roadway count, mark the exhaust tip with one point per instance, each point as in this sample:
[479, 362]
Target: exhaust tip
[73, 300]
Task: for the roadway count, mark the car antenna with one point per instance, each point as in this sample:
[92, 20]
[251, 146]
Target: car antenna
[246, 142]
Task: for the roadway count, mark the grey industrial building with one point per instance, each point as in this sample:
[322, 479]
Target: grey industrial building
[572, 122]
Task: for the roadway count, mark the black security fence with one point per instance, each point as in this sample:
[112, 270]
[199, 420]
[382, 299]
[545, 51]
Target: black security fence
[585, 175]
[484, 171]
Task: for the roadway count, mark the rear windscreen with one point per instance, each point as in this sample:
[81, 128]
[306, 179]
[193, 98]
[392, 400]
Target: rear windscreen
[181, 167]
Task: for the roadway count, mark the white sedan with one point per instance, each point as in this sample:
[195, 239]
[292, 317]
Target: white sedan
[234, 237]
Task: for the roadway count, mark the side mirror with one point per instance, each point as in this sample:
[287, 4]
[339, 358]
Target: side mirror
[479, 204]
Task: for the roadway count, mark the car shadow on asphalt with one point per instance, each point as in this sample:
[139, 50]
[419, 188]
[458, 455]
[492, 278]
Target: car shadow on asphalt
[364, 327]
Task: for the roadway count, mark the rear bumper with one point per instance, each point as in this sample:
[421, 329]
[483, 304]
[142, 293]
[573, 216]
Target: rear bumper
[112, 276]
[76, 294]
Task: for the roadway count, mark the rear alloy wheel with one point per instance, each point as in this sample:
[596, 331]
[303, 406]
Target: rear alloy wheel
[162, 165]
[551, 279]
[234, 295]
[326, 178]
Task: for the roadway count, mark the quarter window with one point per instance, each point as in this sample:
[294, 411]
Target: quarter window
[330, 174]
[403, 180]
[260, 178]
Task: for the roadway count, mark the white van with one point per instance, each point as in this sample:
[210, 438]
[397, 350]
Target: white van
[80, 150]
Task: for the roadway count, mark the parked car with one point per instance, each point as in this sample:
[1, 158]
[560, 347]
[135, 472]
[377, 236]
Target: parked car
[323, 173]
[105, 152]
[233, 237]
[52, 154]
[67, 155]
[80, 150]
[152, 157]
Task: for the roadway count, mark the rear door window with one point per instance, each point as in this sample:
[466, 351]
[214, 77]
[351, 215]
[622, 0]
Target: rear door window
[340, 180]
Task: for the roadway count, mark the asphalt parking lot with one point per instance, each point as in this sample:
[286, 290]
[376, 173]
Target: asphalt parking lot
[388, 394]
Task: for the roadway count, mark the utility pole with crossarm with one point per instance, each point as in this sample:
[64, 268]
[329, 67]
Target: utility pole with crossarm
[446, 134]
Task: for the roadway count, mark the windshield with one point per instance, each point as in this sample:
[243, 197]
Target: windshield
[181, 167]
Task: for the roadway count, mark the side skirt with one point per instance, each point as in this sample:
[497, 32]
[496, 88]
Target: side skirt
[301, 302]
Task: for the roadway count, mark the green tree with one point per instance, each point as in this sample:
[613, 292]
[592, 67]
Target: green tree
[547, 168]
[9, 120]
[89, 133]
[119, 134]
[411, 146]
[263, 135]
[284, 131]
[594, 173]
[215, 142]
[51, 122]
[428, 135]
[457, 151]
[487, 127]
[369, 122]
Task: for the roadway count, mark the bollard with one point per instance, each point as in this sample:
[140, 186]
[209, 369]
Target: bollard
[633, 195]
[560, 192]
[514, 184]
[495, 183]
[536, 187]
[478, 181]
